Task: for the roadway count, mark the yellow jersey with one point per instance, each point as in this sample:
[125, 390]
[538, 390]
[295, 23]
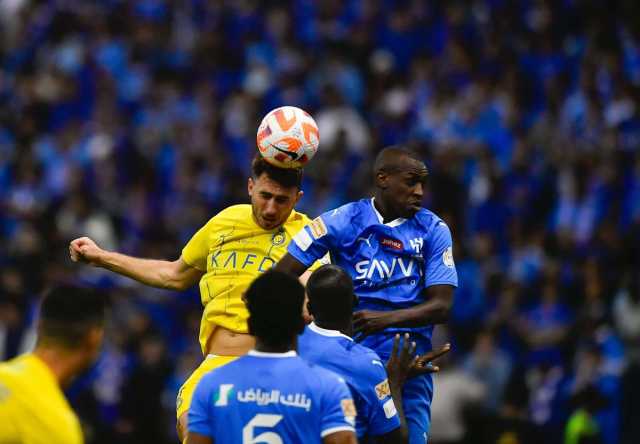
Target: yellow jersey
[33, 409]
[232, 250]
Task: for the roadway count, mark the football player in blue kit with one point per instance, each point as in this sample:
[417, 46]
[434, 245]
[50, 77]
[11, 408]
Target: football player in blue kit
[327, 342]
[400, 258]
[271, 395]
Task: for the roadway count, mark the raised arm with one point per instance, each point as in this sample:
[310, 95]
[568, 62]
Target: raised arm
[172, 275]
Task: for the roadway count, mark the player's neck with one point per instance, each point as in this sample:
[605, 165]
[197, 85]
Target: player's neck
[346, 327]
[282, 348]
[63, 363]
[385, 211]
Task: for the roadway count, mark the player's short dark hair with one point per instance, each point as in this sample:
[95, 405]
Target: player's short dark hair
[68, 313]
[331, 296]
[388, 158]
[287, 177]
[274, 301]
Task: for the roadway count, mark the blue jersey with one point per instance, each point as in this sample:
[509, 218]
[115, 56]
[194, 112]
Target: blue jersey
[391, 264]
[270, 397]
[363, 372]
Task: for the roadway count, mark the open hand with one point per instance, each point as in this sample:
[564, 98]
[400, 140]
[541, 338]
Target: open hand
[400, 365]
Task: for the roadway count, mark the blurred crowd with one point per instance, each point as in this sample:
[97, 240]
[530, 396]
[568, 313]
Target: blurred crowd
[133, 122]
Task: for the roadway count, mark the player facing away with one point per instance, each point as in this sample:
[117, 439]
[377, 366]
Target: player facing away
[33, 408]
[328, 342]
[225, 255]
[271, 395]
[400, 258]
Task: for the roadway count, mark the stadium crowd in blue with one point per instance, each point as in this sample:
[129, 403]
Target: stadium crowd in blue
[134, 122]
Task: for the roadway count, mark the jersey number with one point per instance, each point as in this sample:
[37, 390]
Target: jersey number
[261, 420]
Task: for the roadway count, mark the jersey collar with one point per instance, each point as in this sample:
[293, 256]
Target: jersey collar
[324, 332]
[393, 223]
[259, 354]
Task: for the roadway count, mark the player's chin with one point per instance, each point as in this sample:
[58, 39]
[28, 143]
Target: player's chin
[411, 209]
[270, 224]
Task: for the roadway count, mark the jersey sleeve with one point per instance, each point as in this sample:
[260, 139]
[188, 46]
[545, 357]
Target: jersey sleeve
[316, 239]
[383, 416]
[197, 249]
[199, 418]
[338, 409]
[440, 267]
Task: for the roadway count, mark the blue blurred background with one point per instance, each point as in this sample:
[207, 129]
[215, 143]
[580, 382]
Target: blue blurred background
[133, 122]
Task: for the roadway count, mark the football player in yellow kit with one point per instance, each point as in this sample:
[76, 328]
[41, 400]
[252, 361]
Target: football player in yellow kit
[225, 255]
[33, 408]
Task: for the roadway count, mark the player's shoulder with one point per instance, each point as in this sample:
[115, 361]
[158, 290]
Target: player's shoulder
[428, 220]
[235, 211]
[367, 363]
[322, 376]
[297, 219]
[346, 214]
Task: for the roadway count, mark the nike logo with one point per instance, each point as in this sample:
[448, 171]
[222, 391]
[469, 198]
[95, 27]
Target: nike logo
[294, 156]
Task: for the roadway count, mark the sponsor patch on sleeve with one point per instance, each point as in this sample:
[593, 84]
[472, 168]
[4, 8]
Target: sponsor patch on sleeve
[318, 228]
[447, 257]
[349, 410]
[383, 390]
[389, 409]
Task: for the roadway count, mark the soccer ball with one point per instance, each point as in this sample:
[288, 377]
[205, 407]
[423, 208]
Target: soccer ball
[288, 137]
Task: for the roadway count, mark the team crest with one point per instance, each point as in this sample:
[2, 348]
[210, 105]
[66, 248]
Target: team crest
[278, 238]
[348, 408]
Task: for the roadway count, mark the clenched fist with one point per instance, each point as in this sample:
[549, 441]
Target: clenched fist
[86, 250]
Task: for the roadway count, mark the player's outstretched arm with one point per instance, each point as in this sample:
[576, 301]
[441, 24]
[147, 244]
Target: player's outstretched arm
[172, 275]
[290, 264]
[434, 311]
[342, 437]
[194, 438]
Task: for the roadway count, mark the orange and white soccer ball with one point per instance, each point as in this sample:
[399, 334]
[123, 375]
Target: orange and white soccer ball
[288, 137]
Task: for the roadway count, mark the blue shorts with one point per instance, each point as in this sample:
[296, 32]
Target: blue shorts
[416, 400]
[417, 393]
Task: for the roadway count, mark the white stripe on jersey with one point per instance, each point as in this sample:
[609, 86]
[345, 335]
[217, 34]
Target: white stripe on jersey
[303, 240]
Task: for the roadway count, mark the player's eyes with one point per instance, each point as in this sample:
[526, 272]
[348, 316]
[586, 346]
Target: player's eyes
[282, 200]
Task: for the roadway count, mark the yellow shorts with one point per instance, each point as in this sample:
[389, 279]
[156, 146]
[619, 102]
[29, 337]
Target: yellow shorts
[183, 402]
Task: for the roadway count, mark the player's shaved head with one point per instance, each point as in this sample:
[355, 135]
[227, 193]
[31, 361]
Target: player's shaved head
[274, 301]
[397, 158]
[331, 296]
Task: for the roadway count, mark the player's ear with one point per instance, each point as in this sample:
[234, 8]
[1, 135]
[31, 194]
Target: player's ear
[93, 342]
[309, 307]
[299, 196]
[382, 180]
[250, 185]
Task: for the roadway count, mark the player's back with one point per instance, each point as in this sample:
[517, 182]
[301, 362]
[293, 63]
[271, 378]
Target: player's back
[363, 372]
[33, 409]
[264, 397]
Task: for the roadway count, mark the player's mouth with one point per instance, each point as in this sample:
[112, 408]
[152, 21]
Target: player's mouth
[269, 222]
[415, 205]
